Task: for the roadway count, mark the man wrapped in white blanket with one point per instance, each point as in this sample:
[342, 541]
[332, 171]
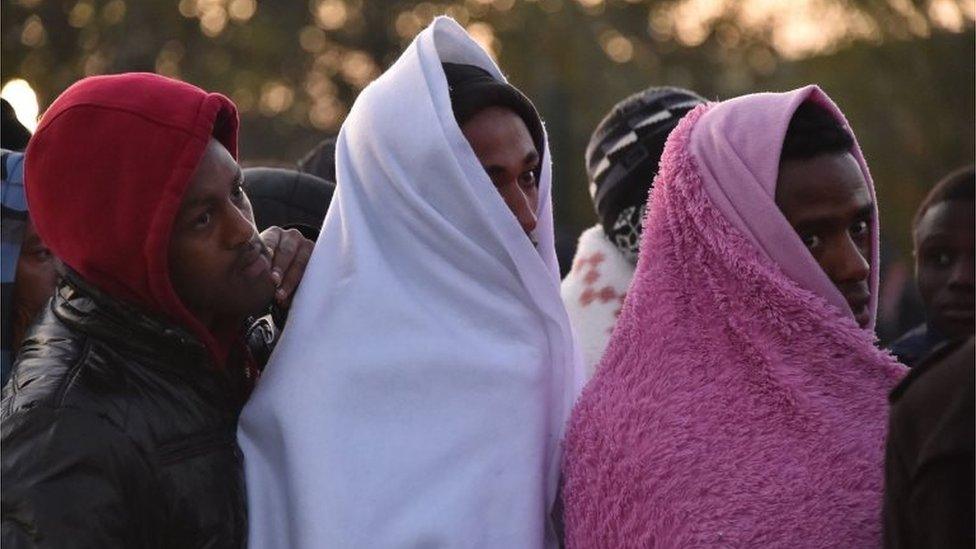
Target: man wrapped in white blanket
[418, 395]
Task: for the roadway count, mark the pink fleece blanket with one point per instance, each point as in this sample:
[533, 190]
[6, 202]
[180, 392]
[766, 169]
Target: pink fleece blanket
[736, 406]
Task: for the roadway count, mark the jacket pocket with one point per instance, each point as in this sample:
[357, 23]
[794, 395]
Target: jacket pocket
[192, 446]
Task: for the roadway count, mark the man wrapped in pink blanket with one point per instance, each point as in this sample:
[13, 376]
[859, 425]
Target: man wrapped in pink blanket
[742, 399]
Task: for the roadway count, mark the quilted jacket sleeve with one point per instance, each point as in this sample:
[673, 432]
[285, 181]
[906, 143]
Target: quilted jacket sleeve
[71, 479]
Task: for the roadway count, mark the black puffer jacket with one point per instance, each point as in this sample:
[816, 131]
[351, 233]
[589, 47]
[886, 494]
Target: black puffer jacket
[117, 432]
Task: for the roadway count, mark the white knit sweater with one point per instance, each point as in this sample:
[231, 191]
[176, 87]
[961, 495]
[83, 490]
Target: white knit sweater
[593, 293]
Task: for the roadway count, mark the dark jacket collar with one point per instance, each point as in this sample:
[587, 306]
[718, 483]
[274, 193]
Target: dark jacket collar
[933, 356]
[85, 308]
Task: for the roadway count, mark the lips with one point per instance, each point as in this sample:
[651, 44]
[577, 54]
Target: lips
[859, 304]
[254, 261]
[959, 313]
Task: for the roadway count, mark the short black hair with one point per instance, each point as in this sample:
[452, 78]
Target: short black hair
[814, 131]
[958, 185]
[473, 89]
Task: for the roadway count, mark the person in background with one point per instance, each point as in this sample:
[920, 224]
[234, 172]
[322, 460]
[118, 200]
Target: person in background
[288, 199]
[13, 135]
[931, 453]
[621, 162]
[320, 161]
[28, 271]
[945, 251]
[118, 422]
[741, 401]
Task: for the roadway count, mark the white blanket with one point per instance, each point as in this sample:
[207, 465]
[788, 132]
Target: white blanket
[418, 395]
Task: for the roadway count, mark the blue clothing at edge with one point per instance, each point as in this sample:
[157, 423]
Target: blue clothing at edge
[916, 344]
[13, 221]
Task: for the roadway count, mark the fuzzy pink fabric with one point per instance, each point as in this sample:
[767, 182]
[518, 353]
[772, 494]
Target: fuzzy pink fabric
[735, 406]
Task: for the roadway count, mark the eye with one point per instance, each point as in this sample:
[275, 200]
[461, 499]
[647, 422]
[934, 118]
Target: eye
[203, 220]
[527, 179]
[237, 193]
[811, 241]
[860, 229]
[939, 257]
[43, 254]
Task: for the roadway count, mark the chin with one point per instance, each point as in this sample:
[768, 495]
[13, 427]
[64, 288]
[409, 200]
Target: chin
[253, 303]
[260, 306]
[954, 330]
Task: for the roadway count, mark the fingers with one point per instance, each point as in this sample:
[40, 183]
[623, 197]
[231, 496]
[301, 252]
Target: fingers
[293, 274]
[284, 254]
[290, 252]
[271, 237]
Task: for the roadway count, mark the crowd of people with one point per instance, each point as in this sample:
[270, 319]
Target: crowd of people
[376, 349]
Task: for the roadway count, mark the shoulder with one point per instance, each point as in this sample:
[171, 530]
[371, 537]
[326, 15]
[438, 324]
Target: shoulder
[913, 345]
[58, 367]
[64, 399]
[935, 368]
[44, 364]
[932, 409]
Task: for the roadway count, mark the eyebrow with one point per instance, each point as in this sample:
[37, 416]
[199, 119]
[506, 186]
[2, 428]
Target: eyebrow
[238, 180]
[531, 158]
[866, 211]
[819, 223]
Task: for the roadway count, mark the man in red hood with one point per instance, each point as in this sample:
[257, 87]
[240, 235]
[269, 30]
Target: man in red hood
[118, 424]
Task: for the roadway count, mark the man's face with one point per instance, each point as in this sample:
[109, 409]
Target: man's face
[827, 201]
[944, 245]
[504, 147]
[218, 264]
[34, 282]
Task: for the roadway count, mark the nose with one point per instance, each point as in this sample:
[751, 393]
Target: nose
[521, 206]
[962, 275]
[239, 228]
[849, 263]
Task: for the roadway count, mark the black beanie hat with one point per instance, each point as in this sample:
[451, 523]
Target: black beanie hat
[288, 199]
[623, 155]
[320, 161]
[473, 89]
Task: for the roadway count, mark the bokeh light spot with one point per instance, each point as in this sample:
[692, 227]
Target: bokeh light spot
[331, 14]
[242, 10]
[22, 98]
[33, 34]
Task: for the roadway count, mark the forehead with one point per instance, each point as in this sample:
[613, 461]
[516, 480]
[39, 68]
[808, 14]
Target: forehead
[829, 183]
[498, 134]
[216, 170]
[950, 218]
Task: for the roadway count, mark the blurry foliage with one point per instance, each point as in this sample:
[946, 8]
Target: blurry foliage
[902, 70]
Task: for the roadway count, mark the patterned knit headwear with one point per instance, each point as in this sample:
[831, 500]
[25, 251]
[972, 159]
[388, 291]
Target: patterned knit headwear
[622, 159]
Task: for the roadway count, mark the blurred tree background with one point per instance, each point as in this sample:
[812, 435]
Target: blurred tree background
[902, 70]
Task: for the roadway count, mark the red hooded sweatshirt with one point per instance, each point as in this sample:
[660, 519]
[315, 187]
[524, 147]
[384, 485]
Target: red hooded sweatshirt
[105, 174]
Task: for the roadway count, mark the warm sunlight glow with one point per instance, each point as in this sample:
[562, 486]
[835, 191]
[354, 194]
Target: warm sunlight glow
[22, 98]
